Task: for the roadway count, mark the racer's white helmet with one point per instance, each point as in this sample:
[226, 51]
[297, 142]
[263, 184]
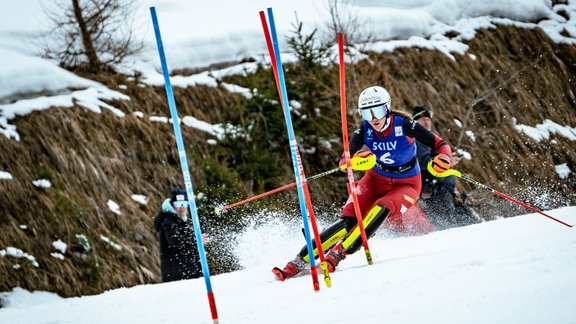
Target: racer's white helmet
[375, 96]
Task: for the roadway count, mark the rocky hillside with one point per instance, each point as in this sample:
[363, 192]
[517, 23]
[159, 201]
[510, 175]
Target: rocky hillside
[515, 77]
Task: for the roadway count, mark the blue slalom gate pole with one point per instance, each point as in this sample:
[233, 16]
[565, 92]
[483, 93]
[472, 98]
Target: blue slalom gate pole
[184, 166]
[296, 162]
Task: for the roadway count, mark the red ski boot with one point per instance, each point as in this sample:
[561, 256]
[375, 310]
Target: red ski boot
[291, 269]
[334, 257]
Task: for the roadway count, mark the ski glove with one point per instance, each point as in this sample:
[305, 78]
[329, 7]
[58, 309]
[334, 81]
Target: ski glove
[342, 163]
[441, 163]
[361, 155]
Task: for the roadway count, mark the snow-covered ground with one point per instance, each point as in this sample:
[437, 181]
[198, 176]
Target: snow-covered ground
[515, 270]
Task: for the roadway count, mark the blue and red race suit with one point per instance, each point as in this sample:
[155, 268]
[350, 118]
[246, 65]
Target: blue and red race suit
[394, 182]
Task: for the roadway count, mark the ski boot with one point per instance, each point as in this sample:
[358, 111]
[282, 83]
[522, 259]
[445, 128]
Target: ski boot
[334, 257]
[291, 269]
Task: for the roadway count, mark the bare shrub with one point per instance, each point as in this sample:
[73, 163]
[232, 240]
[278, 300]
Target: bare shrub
[344, 19]
[90, 34]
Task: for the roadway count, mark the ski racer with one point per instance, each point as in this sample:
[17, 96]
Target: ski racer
[439, 199]
[388, 189]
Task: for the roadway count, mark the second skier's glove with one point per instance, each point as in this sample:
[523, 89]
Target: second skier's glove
[441, 163]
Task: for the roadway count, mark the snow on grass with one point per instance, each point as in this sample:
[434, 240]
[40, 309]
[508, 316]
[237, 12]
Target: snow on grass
[563, 170]
[60, 246]
[158, 119]
[90, 98]
[17, 253]
[5, 175]
[115, 246]
[42, 183]
[141, 199]
[113, 206]
[57, 255]
[83, 241]
[543, 131]
[471, 135]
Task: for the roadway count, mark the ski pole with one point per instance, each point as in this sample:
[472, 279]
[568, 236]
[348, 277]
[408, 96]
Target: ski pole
[352, 188]
[464, 177]
[303, 194]
[358, 163]
[184, 166]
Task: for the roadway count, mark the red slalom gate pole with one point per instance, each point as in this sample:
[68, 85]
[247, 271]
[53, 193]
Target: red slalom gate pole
[267, 193]
[308, 201]
[361, 164]
[352, 188]
[512, 199]
[264, 194]
[483, 186]
[271, 53]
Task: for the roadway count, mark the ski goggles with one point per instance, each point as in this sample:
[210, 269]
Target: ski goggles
[178, 204]
[377, 112]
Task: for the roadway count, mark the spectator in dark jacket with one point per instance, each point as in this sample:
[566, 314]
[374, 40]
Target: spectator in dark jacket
[178, 250]
[439, 199]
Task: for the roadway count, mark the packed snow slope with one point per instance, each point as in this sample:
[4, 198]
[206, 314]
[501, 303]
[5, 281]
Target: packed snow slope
[514, 270]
